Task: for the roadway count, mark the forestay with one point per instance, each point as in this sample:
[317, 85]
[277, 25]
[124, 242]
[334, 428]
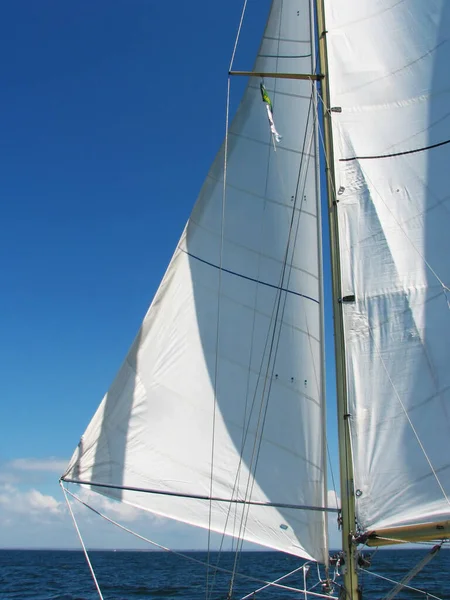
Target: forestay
[390, 84]
[221, 393]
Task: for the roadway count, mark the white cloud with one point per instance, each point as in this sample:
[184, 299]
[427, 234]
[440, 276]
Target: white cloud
[48, 465]
[31, 502]
[117, 511]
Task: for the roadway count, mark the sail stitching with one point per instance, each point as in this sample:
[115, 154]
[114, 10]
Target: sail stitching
[255, 195]
[284, 56]
[282, 39]
[253, 251]
[248, 278]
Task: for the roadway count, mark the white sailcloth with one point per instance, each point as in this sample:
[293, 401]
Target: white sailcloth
[221, 393]
[389, 76]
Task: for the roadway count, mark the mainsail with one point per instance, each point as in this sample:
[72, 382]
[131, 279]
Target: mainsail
[390, 86]
[221, 395]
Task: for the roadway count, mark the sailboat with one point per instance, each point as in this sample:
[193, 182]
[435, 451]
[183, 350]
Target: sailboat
[217, 416]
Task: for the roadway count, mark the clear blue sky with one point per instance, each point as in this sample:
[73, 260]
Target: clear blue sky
[111, 113]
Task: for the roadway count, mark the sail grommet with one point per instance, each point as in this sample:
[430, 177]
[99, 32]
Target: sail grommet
[358, 493]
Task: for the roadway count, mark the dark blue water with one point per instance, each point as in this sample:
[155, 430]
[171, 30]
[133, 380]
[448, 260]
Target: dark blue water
[64, 575]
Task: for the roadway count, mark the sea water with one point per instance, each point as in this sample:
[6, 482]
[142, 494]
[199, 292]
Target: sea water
[64, 575]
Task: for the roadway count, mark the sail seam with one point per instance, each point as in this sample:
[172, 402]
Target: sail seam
[268, 257]
[280, 39]
[284, 56]
[256, 195]
[265, 283]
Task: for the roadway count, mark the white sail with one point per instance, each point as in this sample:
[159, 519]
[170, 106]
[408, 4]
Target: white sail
[221, 393]
[390, 92]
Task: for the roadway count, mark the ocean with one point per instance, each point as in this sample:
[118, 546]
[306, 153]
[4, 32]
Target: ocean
[64, 575]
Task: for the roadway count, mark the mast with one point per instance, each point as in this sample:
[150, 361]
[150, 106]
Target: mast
[348, 520]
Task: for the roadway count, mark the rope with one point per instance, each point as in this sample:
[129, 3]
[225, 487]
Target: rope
[302, 568]
[408, 587]
[81, 540]
[219, 296]
[181, 554]
[317, 95]
[238, 35]
[279, 308]
[227, 118]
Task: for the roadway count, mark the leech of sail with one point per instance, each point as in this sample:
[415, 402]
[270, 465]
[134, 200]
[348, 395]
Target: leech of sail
[202, 497]
[313, 77]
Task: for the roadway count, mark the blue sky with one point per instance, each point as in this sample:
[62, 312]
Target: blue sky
[112, 112]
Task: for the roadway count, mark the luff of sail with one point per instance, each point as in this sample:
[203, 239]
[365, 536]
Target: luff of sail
[221, 394]
[389, 82]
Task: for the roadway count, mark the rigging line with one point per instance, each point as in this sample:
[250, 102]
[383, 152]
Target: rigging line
[246, 277]
[347, 438]
[180, 554]
[251, 595]
[395, 154]
[263, 410]
[251, 411]
[246, 429]
[199, 496]
[238, 35]
[397, 395]
[327, 454]
[219, 296]
[245, 514]
[325, 447]
[81, 541]
[319, 96]
[408, 587]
